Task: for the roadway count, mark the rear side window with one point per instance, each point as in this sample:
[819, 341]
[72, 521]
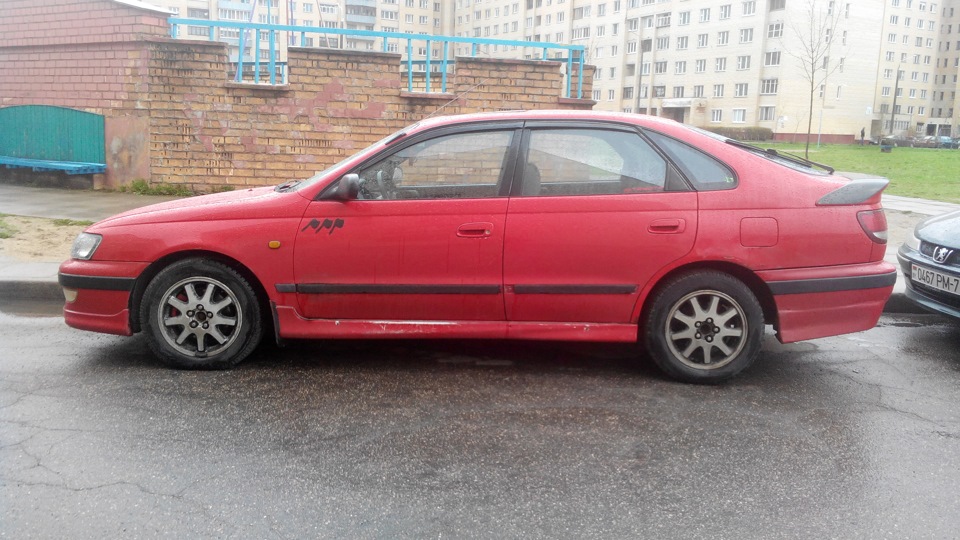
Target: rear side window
[566, 162]
[703, 171]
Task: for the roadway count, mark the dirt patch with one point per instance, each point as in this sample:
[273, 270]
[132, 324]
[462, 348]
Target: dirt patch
[38, 239]
[900, 225]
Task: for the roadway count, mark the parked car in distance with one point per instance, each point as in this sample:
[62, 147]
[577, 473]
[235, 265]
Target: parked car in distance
[548, 225]
[930, 261]
[936, 141]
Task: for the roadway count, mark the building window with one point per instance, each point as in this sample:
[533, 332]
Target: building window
[775, 30]
[743, 62]
[698, 91]
[683, 18]
[768, 87]
[705, 15]
[771, 58]
[702, 40]
[682, 43]
[739, 116]
[680, 67]
[721, 64]
[718, 90]
[725, 11]
[749, 8]
[700, 66]
[766, 114]
[723, 37]
[740, 90]
[716, 115]
[746, 35]
[777, 5]
[678, 91]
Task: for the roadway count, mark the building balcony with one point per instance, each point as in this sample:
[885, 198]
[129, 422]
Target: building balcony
[361, 19]
[234, 4]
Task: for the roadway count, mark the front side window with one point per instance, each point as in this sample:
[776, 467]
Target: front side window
[458, 166]
[567, 162]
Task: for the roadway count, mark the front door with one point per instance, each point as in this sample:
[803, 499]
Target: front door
[598, 214]
[424, 240]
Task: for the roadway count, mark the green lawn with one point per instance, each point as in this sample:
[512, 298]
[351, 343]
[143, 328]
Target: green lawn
[926, 173]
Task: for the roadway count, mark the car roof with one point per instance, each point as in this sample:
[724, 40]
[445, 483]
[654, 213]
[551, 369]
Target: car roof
[551, 114]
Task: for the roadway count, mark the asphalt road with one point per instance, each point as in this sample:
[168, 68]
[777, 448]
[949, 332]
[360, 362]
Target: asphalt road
[849, 437]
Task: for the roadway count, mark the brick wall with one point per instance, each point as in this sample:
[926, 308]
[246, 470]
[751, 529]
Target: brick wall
[174, 117]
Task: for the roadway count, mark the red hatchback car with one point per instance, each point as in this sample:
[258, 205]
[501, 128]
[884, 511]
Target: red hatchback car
[549, 225]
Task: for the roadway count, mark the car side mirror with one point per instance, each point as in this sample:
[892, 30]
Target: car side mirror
[348, 189]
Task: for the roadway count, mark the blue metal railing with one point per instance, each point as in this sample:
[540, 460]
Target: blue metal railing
[574, 53]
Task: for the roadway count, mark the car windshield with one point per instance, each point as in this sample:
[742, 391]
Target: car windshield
[322, 174]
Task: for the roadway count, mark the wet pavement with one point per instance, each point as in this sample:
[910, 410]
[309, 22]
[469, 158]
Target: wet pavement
[850, 437]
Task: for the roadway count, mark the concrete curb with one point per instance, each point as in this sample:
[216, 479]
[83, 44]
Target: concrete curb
[43, 291]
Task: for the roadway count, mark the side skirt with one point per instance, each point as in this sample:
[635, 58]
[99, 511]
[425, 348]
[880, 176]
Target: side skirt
[291, 325]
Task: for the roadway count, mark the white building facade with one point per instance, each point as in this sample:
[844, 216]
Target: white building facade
[886, 67]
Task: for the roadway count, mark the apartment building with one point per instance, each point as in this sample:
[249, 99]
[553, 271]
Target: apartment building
[404, 16]
[885, 66]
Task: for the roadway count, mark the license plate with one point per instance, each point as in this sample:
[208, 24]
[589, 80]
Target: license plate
[934, 279]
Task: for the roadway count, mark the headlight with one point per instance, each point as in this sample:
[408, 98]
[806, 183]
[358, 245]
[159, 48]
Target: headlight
[85, 245]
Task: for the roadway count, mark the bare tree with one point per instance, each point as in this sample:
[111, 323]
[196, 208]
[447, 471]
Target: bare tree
[816, 35]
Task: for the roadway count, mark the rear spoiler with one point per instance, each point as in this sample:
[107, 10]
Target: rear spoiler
[856, 192]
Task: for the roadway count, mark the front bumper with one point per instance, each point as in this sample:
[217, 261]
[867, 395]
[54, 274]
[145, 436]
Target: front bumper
[98, 295]
[929, 298]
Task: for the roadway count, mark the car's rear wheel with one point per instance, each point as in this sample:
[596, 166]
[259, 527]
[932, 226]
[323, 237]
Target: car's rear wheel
[704, 327]
[200, 314]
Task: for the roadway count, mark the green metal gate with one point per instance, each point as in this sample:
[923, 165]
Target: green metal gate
[44, 137]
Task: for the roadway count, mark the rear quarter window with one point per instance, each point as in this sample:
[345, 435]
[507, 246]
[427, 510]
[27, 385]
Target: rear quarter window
[705, 172]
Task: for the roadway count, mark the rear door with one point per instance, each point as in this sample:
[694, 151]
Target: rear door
[598, 212]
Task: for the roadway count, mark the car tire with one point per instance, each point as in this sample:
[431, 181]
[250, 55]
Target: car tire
[200, 314]
[680, 342]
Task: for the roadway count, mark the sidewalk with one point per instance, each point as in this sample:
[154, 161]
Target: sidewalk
[38, 280]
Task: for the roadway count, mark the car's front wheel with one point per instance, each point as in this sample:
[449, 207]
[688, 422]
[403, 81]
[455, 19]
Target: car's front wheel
[704, 327]
[200, 314]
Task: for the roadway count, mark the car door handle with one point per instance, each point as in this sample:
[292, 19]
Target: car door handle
[667, 226]
[475, 230]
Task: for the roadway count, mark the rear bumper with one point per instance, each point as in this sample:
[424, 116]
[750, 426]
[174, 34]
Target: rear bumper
[829, 301]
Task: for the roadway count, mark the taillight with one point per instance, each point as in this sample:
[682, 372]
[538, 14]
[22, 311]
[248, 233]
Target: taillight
[874, 224]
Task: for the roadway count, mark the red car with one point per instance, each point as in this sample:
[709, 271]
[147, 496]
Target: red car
[550, 225]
